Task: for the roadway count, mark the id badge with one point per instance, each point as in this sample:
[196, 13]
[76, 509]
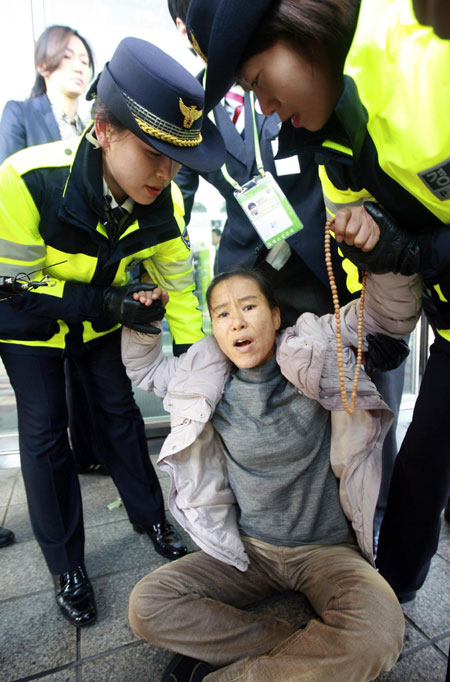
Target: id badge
[268, 209]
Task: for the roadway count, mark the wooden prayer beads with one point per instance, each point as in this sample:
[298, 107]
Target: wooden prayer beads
[337, 311]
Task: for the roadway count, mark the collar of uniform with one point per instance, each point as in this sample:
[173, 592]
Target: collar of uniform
[126, 205]
[352, 115]
[83, 204]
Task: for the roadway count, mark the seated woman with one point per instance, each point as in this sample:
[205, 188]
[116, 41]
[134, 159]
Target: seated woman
[277, 485]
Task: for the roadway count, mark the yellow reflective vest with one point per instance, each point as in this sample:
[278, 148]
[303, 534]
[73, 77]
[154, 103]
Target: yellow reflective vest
[53, 222]
[389, 135]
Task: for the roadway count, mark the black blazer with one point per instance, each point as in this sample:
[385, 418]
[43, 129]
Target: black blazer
[25, 124]
[240, 243]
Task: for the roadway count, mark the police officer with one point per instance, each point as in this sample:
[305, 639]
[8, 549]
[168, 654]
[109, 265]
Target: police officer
[372, 107]
[297, 274]
[84, 214]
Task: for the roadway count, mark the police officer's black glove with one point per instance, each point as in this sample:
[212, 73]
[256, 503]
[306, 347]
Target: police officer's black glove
[396, 251]
[384, 353]
[120, 306]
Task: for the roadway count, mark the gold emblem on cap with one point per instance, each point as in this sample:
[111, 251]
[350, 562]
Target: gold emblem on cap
[157, 127]
[190, 114]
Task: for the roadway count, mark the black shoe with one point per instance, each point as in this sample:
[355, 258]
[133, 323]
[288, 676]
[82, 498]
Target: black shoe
[75, 596]
[165, 539]
[185, 669]
[405, 597]
[6, 537]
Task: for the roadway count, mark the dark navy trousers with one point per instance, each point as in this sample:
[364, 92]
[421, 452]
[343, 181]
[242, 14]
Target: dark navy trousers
[420, 483]
[48, 468]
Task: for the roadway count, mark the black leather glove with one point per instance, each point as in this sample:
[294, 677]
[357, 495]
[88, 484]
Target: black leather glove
[384, 353]
[396, 251]
[120, 306]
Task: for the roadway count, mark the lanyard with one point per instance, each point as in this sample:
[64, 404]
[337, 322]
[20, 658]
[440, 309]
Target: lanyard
[258, 158]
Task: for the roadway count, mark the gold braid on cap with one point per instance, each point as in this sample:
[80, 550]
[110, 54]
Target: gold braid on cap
[196, 46]
[163, 130]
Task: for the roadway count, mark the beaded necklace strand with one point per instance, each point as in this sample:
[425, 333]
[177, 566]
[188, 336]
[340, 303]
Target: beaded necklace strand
[337, 312]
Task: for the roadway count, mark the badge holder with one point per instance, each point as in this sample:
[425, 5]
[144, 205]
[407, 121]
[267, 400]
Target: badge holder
[265, 204]
[262, 199]
[268, 209]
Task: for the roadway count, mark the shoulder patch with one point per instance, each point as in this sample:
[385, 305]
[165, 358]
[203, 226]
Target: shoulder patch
[437, 179]
[185, 238]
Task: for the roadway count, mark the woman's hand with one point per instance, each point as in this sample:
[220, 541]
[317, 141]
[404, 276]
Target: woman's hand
[388, 248]
[147, 297]
[354, 226]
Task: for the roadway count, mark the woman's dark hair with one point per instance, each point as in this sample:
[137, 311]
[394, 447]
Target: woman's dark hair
[256, 275]
[102, 112]
[178, 8]
[49, 51]
[314, 28]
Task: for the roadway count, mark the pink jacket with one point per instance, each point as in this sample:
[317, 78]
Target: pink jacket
[200, 497]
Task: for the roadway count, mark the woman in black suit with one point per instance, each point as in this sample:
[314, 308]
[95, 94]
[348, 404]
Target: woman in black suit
[64, 65]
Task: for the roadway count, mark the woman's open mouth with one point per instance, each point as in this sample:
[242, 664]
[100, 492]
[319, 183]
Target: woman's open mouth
[242, 343]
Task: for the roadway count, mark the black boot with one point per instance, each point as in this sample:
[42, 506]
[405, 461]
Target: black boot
[6, 537]
[165, 539]
[185, 669]
[75, 596]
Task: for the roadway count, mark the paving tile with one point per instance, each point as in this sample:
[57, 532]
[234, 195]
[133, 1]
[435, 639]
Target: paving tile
[430, 610]
[23, 570]
[65, 675]
[443, 645]
[34, 637]
[98, 491]
[116, 547]
[444, 540]
[424, 665]
[8, 481]
[412, 638]
[140, 663]
[17, 519]
[18, 495]
[112, 629]
[99, 495]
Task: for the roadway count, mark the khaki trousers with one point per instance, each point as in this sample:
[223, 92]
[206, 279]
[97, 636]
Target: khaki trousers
[193, 606]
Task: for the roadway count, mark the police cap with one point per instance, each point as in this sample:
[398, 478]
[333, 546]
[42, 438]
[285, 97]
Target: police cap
[219, 31]
[155, 98]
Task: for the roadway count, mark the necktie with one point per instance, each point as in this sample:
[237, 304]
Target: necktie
[117, 217]
[235, 103]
